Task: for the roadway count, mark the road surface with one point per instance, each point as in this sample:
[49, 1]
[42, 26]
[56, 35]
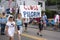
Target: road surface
[31, 34]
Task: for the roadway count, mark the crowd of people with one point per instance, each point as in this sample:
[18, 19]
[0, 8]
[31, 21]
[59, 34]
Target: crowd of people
[11, 25]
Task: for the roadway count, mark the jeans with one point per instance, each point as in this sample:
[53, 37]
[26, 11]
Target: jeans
[2, 28]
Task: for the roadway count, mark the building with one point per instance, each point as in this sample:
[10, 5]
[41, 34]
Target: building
[5, 3]
[33, 2]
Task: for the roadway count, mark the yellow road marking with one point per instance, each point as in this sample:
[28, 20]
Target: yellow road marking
[33, 37]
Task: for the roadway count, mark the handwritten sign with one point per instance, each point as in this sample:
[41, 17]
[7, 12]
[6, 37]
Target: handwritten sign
[30, 11]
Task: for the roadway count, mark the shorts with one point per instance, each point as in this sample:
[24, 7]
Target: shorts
[19, 29]
[11, 31]
[44, 23]
[40, 26]
[56, 24]
[26, 24]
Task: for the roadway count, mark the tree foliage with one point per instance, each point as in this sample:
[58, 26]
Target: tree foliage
[52, 2]
[50, 14]
[0, 0]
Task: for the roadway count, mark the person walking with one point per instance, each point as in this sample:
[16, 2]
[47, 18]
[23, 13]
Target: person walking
[19, 23]
[56, 20]
[10, 28]
[26, 23]
[40, 23]
[44, 18]
[3, 23]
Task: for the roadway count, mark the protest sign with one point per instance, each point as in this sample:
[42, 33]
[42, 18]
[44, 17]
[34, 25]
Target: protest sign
[30, 11]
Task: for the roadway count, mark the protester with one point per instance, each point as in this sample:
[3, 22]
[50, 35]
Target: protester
[19, 23]
[40, 23]
[56, 19]
[52, 23]
[26, 22]
[44, 18]
[10, 28]
[3, 23]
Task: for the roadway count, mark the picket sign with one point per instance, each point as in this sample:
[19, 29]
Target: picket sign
[30, 11]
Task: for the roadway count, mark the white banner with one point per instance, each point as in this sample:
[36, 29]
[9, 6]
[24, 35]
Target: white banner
[30, 11]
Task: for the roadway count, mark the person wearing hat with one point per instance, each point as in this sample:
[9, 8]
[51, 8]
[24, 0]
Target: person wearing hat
[10, 28]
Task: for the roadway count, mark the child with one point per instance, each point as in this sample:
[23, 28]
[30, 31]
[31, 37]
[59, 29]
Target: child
[10, 28]
[40, 27]
[26, 23]
[19, 23]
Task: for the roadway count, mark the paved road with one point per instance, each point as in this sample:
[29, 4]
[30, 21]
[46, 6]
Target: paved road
[25, 36]
[16, 38]
[49, 35]
[31, 34]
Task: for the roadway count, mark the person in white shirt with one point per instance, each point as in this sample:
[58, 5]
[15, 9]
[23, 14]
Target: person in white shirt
[56, 19]
[26, 22]
[44, 18]
[10, 28]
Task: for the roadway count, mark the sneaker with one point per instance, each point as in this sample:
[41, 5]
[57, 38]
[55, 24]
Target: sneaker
[37, 33]
[2, 34]
[41, 35]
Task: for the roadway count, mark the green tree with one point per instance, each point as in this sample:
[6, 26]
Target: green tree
[53, 2]
[50, 14]
[58, 2]
[0, 0]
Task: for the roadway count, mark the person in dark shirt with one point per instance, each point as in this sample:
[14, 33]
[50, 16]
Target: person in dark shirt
[40, 23]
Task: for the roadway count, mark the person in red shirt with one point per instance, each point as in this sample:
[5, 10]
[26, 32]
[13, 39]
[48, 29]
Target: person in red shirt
[40, 24]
